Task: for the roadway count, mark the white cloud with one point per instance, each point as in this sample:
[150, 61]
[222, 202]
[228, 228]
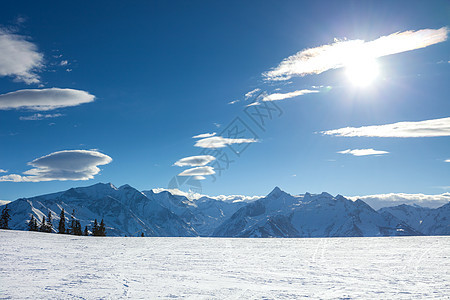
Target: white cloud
[199, 177]
[44, 99]
[37, 117]
[251, 93]
[62, 165]
[427, 128]
[362, 152]
[234, 101]
[283, 96]
[393, 199]
[203, 135]
[19, 58]
[340, 53]
[220, 142]
[198, 171]
[64, 63]
[195, 161]
[447, 160]
[196, 196]
[3, 171]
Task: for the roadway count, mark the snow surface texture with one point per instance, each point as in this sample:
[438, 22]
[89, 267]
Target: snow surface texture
[51, 266]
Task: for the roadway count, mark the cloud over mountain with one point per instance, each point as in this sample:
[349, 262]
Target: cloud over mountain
[62, 165]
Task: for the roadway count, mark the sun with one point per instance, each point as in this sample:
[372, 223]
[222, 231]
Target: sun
[362, 71]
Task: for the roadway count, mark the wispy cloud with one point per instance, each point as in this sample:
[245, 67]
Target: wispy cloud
[362, 152]
[340, 53]
[447, 160]
[427, 128]
[198, 171]
[19, 57]
[62, 165]
[203, 135]
[44, 99]
[198, 177]
[195, 161]
[221, 142]
[234, 101]
[283, 96]
[3, 171]
[37, 117]
[394, 199]
[252, 93]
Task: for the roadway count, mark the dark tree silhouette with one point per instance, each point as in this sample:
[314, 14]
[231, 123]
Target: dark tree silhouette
[77, 228]
[142, 234]
[5, 217]
[32, 224]
[49, 222]
[102, 229]
[62, 222]
[95, 228]
[43, 227]
[71, 229]
[86, 232]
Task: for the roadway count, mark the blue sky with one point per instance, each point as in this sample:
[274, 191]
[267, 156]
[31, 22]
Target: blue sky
[119, 91]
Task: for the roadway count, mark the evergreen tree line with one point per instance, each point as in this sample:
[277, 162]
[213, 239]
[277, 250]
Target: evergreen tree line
[74, 225]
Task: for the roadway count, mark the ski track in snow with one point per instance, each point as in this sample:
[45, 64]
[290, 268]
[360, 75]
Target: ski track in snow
[51, 266]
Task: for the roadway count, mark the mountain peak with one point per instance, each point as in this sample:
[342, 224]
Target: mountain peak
[276, 192]
[125, 186]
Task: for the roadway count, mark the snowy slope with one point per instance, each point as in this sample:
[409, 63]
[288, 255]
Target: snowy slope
[51, 266]
[283, 215]
[429, 221]
[125, 211]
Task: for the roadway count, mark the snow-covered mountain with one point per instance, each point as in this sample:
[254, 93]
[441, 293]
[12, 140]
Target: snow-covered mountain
[125, 210]
[283, 215]
[429, 221]
[204, 214]
[158, 212]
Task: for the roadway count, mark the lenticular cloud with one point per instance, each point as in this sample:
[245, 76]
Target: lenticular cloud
[44, 99]
[62, 165]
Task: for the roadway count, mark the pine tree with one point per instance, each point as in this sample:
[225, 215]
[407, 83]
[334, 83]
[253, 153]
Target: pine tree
[71, 229]
[43, 226]
[102, 229]
[86, 232]
[4, 219]
[32, 224]
[62, 222]
[77, 228]
[49, 227]
[95, 228]
[142, 234]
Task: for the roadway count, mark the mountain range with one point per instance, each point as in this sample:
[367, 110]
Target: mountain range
[129, 212]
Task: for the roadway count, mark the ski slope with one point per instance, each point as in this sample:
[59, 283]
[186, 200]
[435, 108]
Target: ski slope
[51, 266]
